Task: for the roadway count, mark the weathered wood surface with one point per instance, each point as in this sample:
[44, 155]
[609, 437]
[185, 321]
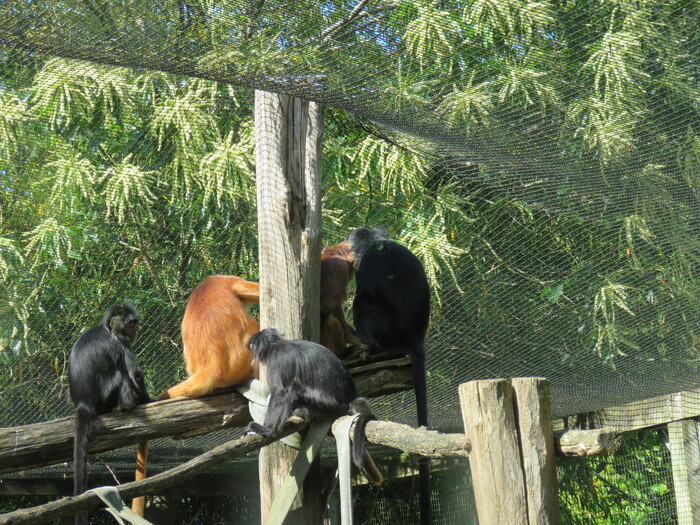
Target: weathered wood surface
[534, 423]
[74, 504]
[421, 441]
[288, 133]
[684, 443]
[587, 443]
[51, 442]
[434, 444]
[651, 412]
[495, 460]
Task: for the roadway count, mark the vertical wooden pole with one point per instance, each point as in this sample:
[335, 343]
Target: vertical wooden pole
[495, 461]
[685, 461]
[288, 135]
[534, 423]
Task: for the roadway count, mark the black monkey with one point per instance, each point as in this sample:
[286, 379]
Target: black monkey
[308, 380]
[102, 376]
[391, 310]
[392, 303]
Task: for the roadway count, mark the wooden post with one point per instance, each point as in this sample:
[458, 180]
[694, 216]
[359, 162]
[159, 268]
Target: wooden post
[495, 461]
[288, 134]
[685, 461]
[534, 422]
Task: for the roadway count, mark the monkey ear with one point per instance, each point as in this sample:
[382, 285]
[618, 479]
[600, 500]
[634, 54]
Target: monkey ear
[114, 322]
[381, 233]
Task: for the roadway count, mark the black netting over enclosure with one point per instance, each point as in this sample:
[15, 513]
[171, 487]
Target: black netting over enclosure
[542, 160]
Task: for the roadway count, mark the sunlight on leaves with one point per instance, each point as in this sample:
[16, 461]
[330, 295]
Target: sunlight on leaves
[260, 55]
[14, 326]
[428, 36]
[612, 336]
[127, 190]
[427, 239]
[184, 127]
[49, 241]
[227, 172]
[62, 94]
[636, 225]
[509, 17]
[398, 169]
[613, 62]
[156, 84]
[604, 128]
[10, 257]
[527, 85]
[467, 106]
[187, 117]
[73, 180]
[689, 160]
[13, 112]
[70, 90]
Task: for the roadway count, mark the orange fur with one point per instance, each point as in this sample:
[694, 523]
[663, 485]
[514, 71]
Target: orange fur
[333, 335]
[215, 332]
[336, 272]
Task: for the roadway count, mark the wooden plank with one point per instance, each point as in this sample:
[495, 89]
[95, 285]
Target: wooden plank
[495, 460]
[288, 135]
[651, 412]
[534, 422]
[685, 460]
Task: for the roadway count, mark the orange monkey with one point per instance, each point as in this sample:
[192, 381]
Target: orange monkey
[215, 332]
[336, 272]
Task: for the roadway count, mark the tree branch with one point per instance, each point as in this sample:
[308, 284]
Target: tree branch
[88, 501]
[337, 26]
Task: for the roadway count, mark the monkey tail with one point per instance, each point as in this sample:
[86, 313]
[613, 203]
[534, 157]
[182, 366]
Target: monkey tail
[419, 383]
[138, 505]
[82, 423]
[360, 456]
[421, 389]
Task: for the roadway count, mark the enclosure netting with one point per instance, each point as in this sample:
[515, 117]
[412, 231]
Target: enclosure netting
[542, 159]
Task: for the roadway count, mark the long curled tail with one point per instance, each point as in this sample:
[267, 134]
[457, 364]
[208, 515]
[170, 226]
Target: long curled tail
[360, 456]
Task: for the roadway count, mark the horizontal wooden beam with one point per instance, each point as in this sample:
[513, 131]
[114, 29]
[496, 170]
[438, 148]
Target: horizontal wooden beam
[420, 441]
[651, 412]
[587, 443]
[51, 442]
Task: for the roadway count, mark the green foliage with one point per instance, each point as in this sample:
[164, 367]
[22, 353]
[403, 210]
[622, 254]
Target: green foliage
[634, 486]
[541, 158]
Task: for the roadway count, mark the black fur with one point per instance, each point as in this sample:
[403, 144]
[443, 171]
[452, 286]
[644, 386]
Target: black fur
[102, 376]
[392, 303]
[391, 311]
[308, 380]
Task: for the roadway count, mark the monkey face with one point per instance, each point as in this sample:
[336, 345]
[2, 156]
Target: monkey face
[130, 329]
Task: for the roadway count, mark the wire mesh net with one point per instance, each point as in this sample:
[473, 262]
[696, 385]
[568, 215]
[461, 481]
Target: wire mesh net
[542, 159]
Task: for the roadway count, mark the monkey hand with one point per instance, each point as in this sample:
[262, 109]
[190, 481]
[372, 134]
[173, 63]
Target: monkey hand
[257, 428]
[359, 351]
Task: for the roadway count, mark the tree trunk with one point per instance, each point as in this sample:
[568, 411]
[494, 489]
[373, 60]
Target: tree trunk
[288, 136]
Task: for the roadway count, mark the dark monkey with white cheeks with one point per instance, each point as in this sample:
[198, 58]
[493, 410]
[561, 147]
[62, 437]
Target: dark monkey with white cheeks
[308, 380]
[102, 376]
